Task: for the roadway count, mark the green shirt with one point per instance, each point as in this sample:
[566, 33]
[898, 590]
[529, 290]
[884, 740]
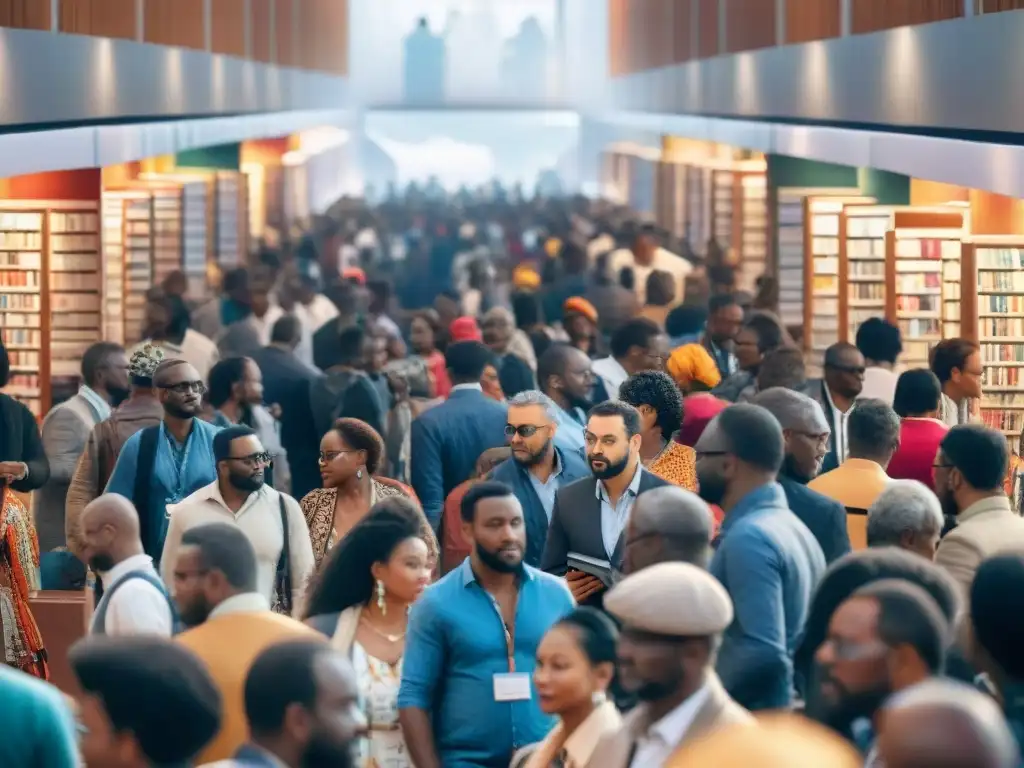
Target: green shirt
[38, 722]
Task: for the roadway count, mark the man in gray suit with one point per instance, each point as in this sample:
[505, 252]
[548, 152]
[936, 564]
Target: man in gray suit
[65, 431]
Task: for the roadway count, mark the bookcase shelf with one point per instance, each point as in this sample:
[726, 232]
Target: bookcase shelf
[230, 242]
[862, 261]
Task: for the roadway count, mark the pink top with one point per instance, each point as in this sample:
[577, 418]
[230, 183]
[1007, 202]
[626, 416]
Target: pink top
[915, 458]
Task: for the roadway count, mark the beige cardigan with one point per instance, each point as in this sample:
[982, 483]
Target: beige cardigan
[580, 744]
[345, 631]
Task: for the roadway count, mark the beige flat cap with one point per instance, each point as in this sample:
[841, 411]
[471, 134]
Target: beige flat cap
[676, 599]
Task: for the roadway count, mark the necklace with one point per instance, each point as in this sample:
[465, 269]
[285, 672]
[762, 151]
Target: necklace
[381, 633]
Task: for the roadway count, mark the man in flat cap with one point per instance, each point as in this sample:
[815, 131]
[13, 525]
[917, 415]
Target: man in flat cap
[672, 615]
[807, 438]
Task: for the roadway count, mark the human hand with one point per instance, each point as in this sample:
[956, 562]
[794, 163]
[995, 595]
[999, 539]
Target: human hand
[583, 586]
[14, 469]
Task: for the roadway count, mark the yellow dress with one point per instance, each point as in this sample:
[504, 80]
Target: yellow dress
[676, 464]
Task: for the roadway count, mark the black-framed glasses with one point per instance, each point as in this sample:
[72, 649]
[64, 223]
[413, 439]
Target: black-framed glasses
[253, 459]
[184, 387]
[523, 430]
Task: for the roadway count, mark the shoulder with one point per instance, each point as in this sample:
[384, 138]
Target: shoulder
[325, 623]
[810, 494]
[548, 583]
[576, 487]
[650, 480]
[198, 341]
[15, 409]
[207, 429]
[317, 496]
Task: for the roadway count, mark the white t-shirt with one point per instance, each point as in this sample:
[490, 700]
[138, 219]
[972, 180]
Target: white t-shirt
[664, 261]
[137, 607]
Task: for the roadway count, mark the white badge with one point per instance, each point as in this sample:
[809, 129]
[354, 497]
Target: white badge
[512, 686]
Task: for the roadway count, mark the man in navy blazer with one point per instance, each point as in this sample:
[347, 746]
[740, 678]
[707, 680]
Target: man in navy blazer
[541, 464]
[447, 440]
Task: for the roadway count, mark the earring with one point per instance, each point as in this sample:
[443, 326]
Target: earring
[380, 598]
[598, 698]
[359, 474]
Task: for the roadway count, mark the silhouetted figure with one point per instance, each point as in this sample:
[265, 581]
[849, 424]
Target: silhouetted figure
[424, 65]
[524, 68]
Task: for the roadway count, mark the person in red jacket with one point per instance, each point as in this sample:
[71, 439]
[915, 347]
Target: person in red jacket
[917, 402]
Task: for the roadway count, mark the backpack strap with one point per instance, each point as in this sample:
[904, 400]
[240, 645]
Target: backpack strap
[283, 580]
[143, 481]
[100, 616]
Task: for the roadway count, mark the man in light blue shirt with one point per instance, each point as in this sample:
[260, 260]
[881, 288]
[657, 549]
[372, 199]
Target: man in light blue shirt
[767, 559]
[162, 465]
[564, 374]
[467, 698]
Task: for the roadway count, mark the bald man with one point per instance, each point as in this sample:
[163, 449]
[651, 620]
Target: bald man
[944, 724]
[668, 524]
[135, 600]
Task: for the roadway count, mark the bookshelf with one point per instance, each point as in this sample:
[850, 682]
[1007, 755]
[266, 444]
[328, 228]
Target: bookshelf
[992, 314]
[231, 220]
[753, 228]
[723, 208]
[128, 262]
[862, 261]
[49, 295]
[698, 207]
[789, 244]
[922, 250]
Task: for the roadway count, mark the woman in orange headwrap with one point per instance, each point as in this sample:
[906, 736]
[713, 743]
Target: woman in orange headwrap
[579, 320]
[19, 575]
[693, 369]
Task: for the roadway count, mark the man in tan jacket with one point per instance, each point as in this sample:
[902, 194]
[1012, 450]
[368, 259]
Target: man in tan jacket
[673, 615]
[969, 472]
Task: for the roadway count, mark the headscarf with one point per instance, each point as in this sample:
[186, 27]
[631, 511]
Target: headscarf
[580, 306]
[144, 361]
[525, 278]
[464, 329]
[692, 363]
[698, 411]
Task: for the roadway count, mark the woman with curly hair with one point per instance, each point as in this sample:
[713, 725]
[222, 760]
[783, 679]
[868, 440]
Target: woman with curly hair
[350, 454]
[660, 403]
[360, 599]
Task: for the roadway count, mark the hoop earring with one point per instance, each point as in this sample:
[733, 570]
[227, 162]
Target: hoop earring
[380, 598]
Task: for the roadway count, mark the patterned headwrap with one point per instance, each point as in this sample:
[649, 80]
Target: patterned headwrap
[144, 361]
[691, 362]
[580, 306]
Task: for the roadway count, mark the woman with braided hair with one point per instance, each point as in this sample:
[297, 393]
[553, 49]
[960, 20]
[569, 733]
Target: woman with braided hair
[360, 599]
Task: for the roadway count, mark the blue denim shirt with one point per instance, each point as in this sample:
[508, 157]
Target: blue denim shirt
[454, 647]
[770, 563]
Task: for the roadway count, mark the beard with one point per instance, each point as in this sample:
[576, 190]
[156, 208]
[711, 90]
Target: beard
[711, 488]
[180, 412]
[118, 395]
[583, 403]
[248, 483]
[611, 468]
[841, 716]
[948, 503]
[792, 470]
[101, 562]
[497, 563]
[322, 751]
[195, 613]
[532, 459]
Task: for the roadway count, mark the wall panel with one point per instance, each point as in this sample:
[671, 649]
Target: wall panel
[707, 26]
[101, 18]
[25, 14]
[175, 22]
[227, 21]
[997, 6]
[682, 31]
[261, 28]
[808, 20]
[750, 24]
[284, 28]
[876, 15]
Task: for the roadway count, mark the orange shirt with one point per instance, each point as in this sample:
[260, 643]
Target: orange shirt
[856, 484]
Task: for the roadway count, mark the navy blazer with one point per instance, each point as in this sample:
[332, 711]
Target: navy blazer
[447, 440]
[574, 467]
[825, 517]
[815, 388]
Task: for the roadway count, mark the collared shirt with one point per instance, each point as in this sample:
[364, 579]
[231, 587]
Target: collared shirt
[546, 490]
[455, 646]
[259, 518]
[137, 607]
[571, 431]
[664, 736]
[98, 404]
[614, 517]
[611, 373]
[246, 602]
[472, 385]
[839, 419]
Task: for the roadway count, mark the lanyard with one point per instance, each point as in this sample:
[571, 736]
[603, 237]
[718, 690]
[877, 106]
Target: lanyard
[178, 492]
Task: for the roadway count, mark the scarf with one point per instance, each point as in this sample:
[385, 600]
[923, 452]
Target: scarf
[19, 575]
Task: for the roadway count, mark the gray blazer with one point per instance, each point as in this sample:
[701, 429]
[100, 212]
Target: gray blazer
[65, 432]
[615, 750]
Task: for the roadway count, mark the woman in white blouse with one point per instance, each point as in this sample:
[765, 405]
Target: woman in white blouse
[575, 666]
[360, 599]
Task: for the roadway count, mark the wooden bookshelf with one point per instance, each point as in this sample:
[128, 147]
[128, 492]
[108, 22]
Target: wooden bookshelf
[992, 314]
[50, 296]
[698, 207]
[231, 219]
[922, 247]
[862, 264]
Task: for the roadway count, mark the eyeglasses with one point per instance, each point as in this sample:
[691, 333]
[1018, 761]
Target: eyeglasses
[523, 430]
[846, 650]
[184, 387]
[326, 457]
[253, 459]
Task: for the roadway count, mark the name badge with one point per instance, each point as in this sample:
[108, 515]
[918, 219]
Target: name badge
[512, 686]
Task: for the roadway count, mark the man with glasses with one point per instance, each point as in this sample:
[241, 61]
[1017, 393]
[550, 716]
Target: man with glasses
[766, 558]
[886, 637]
[639, 345]
[836, 393]
[272, 521]
[807, 437]
[161, 465]
[540, 465]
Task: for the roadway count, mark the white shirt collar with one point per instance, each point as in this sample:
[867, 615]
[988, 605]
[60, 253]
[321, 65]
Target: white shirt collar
[247, 602]
[671, 729]
[101, 406]
[212, 493]
[126, 566]
[633, 488]
[472, 385]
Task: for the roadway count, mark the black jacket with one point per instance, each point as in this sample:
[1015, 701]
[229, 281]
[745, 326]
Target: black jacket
[825, 517]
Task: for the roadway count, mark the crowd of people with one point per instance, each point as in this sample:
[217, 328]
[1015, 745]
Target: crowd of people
[482, 482]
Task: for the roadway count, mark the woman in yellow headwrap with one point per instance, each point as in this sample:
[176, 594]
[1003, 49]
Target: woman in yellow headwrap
[693, 369]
